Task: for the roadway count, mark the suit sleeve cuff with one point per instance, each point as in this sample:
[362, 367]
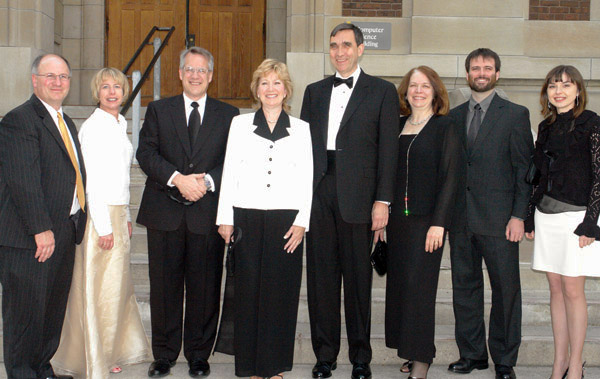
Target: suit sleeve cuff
[211, 181]
[170, 181]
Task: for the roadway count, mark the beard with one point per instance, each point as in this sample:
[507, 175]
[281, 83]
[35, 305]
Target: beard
[486, 87]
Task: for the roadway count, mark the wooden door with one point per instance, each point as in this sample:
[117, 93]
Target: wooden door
[232, 30]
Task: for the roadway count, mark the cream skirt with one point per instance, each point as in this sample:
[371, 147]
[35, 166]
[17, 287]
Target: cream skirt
[102, 327]
[556, 247]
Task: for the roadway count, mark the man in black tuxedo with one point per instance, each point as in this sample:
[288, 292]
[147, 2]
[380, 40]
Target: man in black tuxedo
[42, 217]
[354, 123]
[182, 148]
[488, 223]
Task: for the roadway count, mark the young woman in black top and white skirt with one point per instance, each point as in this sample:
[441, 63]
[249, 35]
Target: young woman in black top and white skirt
[564, 209]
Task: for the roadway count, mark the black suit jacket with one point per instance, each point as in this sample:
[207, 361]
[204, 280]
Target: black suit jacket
[366, 143]
[37, 178]
[492, 185]
[164, 148]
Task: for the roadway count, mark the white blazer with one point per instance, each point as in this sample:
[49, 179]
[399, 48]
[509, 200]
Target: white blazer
[261, 174]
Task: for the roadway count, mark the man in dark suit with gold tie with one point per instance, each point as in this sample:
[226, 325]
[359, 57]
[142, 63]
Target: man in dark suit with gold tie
[488, 219]
[182, 149]
[42, 217]
[354, 125]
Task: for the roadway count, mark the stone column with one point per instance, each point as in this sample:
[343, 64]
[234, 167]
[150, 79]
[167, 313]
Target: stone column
[26, 30]
[83, 45]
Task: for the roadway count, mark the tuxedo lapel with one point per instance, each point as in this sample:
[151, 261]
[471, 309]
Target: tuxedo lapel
[324, 111]
[358, 95]
[177, 112]
[491, 116]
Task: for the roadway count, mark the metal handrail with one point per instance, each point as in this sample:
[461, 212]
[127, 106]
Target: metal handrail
[157, 54]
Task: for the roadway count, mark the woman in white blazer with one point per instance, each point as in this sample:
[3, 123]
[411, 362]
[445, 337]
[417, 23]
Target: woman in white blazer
[266, 191]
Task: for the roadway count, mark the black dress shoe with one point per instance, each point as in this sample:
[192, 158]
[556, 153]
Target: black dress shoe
[505, 372]
[361, 371]
[466, 365]
[160, 367]
[323, 369]
[199, 367]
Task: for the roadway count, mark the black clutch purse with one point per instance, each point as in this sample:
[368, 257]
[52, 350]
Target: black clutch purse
[533, 175]
[379, 257]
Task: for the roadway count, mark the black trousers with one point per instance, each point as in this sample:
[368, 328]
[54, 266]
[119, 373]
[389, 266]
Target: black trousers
[502, 261]
[181, 260]
[336, 251]
[267, 292]
[34, 301]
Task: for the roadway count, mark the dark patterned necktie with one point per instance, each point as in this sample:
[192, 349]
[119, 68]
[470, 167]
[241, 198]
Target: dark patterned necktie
[474, 127]
[194, 123]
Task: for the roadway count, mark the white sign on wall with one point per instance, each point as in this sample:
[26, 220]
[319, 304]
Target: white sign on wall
[377, 35]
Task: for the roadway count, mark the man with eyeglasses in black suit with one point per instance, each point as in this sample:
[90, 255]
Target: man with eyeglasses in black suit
[182, 148]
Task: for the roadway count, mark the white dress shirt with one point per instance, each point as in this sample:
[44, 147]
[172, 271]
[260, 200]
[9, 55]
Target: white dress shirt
[108, 154]
[54, 114]
[340, 96]
[262, 174]
[188, 111]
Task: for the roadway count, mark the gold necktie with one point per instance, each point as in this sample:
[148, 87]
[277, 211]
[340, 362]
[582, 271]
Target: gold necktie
[79, 181]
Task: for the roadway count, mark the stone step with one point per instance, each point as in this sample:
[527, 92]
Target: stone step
[536, 347]
[535, 305]
[530, 280]
[385, 371]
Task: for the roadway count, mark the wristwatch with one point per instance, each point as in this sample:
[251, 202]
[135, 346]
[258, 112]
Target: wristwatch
[208, 184]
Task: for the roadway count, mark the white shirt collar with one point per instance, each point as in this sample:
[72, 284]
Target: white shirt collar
[104, 114]
[355, 74]
[188, 102]
[52, 111]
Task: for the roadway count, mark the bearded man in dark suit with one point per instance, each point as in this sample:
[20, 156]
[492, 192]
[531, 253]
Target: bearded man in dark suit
[42, 217]
[182, 148]
[488, 224]
[354, 123]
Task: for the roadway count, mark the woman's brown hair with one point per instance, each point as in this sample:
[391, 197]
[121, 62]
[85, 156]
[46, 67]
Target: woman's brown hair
[556, 75]
[440, 103]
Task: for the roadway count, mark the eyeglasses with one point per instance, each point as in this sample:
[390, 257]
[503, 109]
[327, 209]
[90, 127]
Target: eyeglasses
[52, 77]
[191, 70]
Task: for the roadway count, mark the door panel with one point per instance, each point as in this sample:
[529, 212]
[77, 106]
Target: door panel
[232, 30]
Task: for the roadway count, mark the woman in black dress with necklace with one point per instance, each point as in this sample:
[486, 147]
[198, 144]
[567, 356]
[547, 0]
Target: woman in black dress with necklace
[429, 160]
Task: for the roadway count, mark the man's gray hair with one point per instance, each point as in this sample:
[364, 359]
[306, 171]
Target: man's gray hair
[35, 65]
[197, 50]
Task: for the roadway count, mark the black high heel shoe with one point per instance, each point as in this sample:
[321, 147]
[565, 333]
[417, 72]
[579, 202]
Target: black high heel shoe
[582, 369]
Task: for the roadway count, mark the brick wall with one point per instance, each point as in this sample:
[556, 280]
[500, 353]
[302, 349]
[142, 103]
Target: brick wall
[575, 10]
[374, 8]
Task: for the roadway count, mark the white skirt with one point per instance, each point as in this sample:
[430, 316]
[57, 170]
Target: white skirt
[556, 247]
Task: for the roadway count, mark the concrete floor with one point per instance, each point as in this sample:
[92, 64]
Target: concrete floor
[226, 371]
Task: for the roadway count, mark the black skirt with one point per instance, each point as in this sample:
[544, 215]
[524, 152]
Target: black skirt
[267, 291]
[411, 288]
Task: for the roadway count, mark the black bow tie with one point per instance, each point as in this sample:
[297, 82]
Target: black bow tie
[348, 81]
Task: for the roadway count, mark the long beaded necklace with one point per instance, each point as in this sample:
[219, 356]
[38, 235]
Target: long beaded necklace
[406, 211]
